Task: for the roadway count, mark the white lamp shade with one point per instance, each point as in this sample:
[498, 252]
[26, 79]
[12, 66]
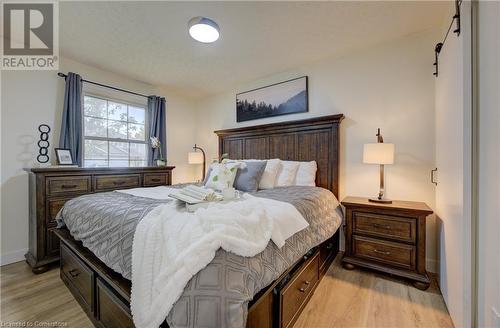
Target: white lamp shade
[378, 153]
[195, 158]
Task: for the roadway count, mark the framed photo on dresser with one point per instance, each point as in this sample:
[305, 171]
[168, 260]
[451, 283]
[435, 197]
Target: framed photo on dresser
[63, 156]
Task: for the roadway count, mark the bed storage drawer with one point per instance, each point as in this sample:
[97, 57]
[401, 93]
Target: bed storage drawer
[78, 276]
[298, 290]
[385, 226]
[327, 252]
[113, 182]
[111, 310]
[391, 253]
[65, 185]
[155, 179]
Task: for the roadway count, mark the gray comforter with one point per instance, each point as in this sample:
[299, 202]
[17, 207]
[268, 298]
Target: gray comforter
[218, 295]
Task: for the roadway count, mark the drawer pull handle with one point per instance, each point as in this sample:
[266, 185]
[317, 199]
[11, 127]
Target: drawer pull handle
[69, 186]
[74, 273]
[381, 252]
[156, 179]
[388, 227]
[118, 183]
[303, 289]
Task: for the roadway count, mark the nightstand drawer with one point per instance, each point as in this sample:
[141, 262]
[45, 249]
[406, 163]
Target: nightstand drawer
[391, 253]
[385, 226]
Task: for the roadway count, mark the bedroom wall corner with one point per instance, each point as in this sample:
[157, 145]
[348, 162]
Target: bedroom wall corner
[388, 86]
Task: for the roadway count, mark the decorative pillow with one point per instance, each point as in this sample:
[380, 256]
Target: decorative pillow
[248, 178]
[287, 173]
[222, 175]
[306, 174]
[268, 179]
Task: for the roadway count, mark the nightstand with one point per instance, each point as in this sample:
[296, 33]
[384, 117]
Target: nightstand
[387, 237]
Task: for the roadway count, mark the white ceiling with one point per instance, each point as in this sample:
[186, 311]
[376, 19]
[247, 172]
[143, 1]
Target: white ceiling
[148, 41]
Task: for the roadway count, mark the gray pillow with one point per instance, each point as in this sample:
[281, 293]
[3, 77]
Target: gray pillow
[248, 179]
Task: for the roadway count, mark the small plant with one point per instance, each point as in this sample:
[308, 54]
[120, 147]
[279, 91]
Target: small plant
[156, 144]
[222, 159]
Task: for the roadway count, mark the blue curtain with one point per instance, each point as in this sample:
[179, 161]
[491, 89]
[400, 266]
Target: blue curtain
[157, 127]
[71, 127]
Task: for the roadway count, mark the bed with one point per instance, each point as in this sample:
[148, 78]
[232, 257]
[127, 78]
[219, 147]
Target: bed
[274, 286]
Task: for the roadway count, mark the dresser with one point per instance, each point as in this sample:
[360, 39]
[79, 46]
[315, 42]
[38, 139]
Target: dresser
[50, 188]
[387, 237]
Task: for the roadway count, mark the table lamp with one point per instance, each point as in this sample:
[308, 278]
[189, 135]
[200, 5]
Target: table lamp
[379, 153]
[195, 157]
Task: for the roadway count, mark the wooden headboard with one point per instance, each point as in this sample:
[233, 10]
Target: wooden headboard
[315, 139]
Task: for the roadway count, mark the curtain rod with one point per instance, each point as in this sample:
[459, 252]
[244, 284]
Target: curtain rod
[106, 86]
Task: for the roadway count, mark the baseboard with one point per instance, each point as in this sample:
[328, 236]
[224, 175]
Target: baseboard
[432, 265]
[12, 257]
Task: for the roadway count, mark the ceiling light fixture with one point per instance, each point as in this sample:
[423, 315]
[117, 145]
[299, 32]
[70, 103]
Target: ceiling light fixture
[203, 29]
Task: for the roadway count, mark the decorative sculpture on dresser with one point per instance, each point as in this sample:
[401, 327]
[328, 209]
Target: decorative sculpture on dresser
[43, 144]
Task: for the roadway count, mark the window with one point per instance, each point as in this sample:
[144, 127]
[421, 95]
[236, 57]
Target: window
[114, 133]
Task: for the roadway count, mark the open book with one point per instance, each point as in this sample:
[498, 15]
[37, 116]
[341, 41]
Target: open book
[195, 195]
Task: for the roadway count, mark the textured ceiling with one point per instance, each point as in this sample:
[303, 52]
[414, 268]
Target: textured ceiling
[148, 41]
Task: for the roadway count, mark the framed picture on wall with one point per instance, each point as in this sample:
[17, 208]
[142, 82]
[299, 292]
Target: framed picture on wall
[63, 156]
[282, 98]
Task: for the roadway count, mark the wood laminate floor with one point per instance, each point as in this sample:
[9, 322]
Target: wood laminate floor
[361, 298]
[343, 299]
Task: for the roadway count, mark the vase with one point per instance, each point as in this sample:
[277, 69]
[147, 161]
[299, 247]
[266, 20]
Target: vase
[161, 162]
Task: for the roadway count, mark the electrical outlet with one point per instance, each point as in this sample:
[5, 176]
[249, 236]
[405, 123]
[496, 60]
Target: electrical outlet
[496, 317]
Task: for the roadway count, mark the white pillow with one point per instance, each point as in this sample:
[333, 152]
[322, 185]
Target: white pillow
[306, 174]
[222, 175]
[268, 179]
[287, 173]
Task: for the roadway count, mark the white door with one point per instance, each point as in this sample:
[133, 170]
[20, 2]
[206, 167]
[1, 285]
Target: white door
[452, 162]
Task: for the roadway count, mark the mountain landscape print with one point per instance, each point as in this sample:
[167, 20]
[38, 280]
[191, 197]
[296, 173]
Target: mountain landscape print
[278, 99]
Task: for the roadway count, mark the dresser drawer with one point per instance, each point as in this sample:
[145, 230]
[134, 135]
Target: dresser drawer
[65, 185]
[53, 207]
[391, 253]
[113, 182]
[155, 179]
[298, 291]
[52, 243]
[111, 310]
[79, 276]
[385, 226]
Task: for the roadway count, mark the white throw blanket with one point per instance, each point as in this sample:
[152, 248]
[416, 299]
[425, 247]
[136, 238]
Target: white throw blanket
[171, 246]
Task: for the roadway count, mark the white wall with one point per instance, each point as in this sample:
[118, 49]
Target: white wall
[489, 162]
[389, 86]
[29, 98]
